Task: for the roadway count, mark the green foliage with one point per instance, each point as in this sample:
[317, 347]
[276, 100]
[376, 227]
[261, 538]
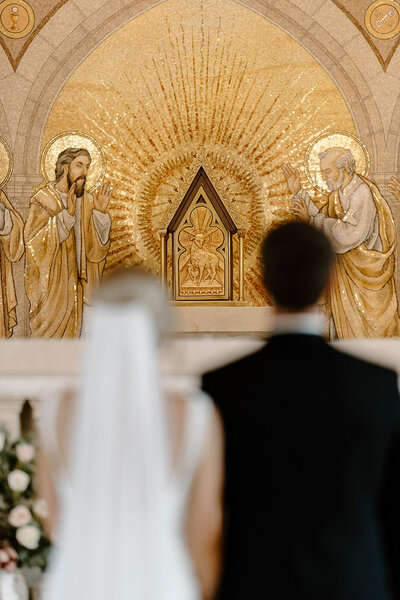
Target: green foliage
[11, 498]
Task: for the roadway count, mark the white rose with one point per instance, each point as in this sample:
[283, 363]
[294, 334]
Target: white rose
[19, 516]
[29, 536]
[40, 508]
[2, 440]
[25, 452]
[18, 480]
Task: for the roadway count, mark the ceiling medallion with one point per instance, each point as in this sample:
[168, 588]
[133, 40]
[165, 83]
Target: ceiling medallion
[382, 19]
[16, 18]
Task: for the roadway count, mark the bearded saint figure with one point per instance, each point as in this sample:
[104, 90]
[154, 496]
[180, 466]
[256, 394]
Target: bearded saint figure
[361, 301]
[67, 237]
[11, 250]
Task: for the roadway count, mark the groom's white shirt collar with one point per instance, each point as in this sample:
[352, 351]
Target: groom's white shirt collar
[310, 323]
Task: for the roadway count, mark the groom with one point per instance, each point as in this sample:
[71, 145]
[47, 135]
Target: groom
[312, 450]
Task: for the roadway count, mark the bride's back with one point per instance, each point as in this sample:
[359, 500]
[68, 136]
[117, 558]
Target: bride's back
[135, 462]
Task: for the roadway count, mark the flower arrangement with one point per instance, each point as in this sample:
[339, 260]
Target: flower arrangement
[21, 512]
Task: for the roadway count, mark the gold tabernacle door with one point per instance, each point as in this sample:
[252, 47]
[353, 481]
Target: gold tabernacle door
[201, 231]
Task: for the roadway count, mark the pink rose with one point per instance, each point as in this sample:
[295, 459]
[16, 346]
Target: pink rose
[4, 558]
[25, 452]
[8, 559]
[19, 516]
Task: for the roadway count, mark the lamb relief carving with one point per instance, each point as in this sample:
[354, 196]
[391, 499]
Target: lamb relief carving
[201, 229]
[201, 249]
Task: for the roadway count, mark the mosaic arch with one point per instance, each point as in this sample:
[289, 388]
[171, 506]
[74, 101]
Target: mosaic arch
[188, 84]
[351, 66]
[344, 64]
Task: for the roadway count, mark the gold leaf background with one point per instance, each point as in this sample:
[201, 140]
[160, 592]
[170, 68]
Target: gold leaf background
[207, 81]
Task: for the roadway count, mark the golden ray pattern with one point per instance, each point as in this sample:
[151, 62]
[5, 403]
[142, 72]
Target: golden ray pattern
[204, 82]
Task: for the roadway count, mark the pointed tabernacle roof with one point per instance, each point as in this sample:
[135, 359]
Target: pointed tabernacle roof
[179, 208]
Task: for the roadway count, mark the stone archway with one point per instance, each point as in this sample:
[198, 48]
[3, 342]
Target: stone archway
[49, 67]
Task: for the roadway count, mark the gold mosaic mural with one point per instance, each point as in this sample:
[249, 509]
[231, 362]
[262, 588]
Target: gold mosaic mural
[208, 83]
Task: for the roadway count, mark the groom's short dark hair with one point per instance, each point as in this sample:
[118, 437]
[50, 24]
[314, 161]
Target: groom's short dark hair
[297, 261]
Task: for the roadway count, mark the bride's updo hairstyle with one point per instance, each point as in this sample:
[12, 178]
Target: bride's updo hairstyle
[133, 285]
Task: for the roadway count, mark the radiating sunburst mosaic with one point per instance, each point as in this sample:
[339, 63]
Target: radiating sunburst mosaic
[194, 81]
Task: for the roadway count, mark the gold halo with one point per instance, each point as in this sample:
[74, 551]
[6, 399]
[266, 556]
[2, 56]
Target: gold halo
[74, 139]
[6, 162]
[29, 19]
[335, 139]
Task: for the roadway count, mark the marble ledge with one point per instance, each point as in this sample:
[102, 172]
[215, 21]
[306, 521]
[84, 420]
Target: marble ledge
[202, 338]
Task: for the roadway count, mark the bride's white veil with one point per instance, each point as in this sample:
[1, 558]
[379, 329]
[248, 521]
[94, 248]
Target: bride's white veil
[111, 531]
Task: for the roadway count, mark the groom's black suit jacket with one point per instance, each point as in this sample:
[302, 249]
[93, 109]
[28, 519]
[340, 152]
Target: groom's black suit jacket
[312, 474]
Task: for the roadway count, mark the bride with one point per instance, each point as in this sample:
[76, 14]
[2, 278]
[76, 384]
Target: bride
[132, 472]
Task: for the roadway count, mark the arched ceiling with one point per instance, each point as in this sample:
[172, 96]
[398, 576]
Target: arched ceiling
[47, 9]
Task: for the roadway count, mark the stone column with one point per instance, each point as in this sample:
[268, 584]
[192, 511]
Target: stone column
[163, 233]
[241, 233]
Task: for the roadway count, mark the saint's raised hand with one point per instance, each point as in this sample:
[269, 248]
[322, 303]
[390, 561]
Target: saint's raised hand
[299, 209]
[103, 198]
[394, 187]
[292, 178]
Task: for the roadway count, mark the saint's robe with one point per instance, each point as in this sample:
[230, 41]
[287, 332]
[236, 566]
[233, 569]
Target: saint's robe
[56, 285]
[11, 250]
[362, 298]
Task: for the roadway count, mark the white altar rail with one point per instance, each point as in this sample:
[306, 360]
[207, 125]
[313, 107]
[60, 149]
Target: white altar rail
[31, 369]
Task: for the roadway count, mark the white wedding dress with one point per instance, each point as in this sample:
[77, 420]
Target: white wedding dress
[122, 527]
